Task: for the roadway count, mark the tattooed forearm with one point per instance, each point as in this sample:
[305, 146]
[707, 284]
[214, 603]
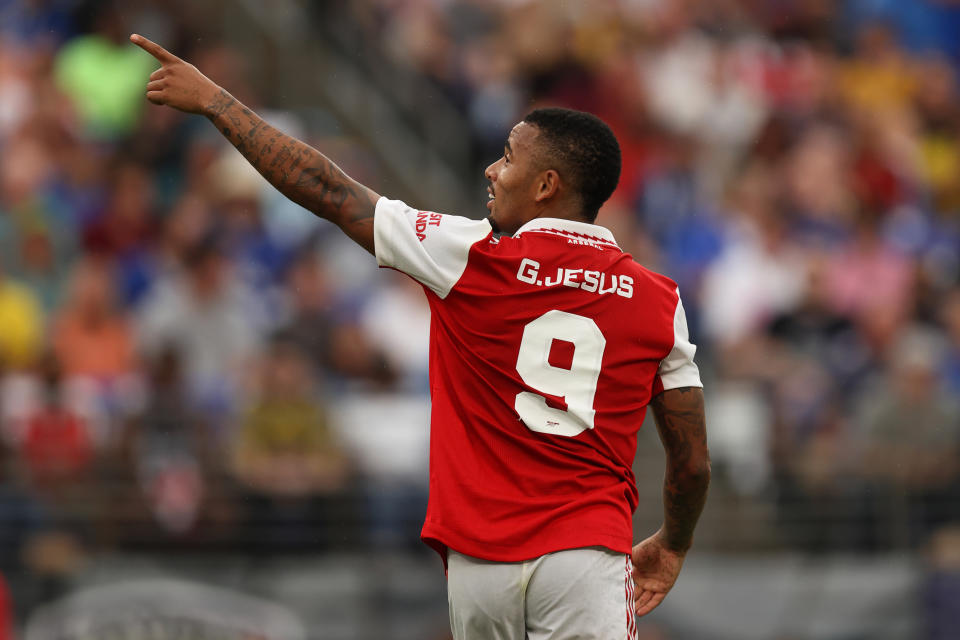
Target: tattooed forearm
[296, 169]
[682, 428]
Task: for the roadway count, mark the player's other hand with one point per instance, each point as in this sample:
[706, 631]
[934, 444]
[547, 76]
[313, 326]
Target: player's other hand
[176, 83]
[655, 569]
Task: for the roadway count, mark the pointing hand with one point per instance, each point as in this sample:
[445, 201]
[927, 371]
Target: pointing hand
[176, 83]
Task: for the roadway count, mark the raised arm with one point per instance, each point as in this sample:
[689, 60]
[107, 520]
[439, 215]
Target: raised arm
[296, 169]
[657, 560]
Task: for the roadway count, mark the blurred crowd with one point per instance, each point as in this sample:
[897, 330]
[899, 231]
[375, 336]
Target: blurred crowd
[186, 360]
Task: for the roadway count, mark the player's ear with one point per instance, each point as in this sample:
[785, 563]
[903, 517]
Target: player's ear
[548, 184]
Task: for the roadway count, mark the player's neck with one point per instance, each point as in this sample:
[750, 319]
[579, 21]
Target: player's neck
[564, 213]
[564, 210]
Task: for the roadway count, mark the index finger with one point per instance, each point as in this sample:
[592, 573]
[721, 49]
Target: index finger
[153, 48]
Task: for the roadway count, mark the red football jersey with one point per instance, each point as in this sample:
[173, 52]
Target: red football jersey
[545, 349]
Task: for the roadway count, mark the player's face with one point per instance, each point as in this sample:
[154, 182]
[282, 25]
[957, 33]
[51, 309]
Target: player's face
[513, 181]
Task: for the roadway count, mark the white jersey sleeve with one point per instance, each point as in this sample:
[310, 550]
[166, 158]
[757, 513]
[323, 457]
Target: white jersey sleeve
[678, 369]
[430, 247]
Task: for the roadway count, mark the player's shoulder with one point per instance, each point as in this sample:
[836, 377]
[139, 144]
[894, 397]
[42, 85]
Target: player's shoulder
[432, 248]
[653, 279]
[427, 223]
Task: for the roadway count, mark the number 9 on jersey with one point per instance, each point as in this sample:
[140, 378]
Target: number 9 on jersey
[577, 385]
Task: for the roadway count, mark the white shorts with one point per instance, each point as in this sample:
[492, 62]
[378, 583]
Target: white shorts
[577, 594]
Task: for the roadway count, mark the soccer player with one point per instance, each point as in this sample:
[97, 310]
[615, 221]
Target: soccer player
[547, 343]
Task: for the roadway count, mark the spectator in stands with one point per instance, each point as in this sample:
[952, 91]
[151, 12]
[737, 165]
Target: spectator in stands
[235, 193]
[949, 316]
[387, 318]
[337, 347]
[288, 459]
[910, 437]
[91, 336]
[166, 474]
[204, 312]
[880, 75]
[56, 447]
[938, 110]
[93, 339]
[871, 282]
[39, 269]
[188, 222]
[125, 229]
[942, 588]
[55, 459]
[102, 76]
[21, 324]
[760, 271]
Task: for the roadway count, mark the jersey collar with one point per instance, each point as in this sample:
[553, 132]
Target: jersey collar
[570, 229]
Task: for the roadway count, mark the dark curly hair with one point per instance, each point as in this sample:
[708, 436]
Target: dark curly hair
[584, 150]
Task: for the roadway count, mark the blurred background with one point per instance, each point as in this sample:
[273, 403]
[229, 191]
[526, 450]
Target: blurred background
[214, 408]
